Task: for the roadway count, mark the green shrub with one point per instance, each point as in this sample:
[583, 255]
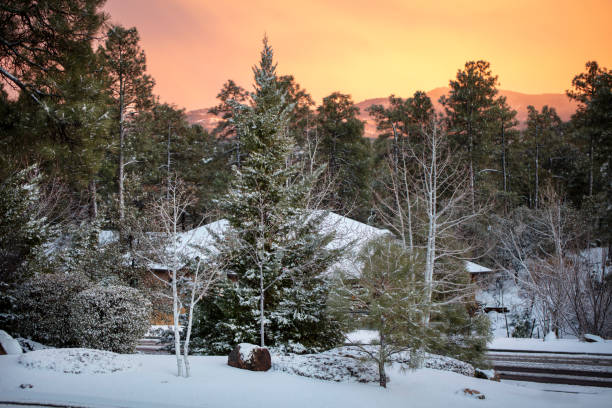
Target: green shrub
[42, 307]
[109, 318]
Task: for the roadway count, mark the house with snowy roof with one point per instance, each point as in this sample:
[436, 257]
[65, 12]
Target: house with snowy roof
[347, 233]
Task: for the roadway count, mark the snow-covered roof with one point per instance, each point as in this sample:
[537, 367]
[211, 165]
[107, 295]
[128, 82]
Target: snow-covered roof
[472, 267]
[596, 258]
[107, 237]
[353, 235]
[347, 232]
[191, 241]
[350, 234]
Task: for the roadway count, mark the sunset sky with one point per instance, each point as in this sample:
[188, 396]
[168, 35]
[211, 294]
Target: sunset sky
[365, 48]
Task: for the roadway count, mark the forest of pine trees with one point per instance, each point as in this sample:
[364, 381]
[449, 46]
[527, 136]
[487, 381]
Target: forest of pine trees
[86, 146]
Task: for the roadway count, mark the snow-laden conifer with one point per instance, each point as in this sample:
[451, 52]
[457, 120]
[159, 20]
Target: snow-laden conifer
[275, 294]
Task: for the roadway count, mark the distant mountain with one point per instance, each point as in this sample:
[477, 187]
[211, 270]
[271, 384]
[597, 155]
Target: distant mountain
[519, 101]
[201, 117]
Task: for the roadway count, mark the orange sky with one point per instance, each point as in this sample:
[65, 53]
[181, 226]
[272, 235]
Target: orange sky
[365, 48]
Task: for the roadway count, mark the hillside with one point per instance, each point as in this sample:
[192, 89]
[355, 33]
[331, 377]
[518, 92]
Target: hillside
[519, 101]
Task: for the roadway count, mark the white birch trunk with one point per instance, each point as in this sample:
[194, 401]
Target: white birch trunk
[188, 337]
[177, 333]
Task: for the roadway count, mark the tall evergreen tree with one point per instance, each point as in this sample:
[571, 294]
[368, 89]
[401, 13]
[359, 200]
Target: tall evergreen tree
[593, 92]
[276, 250]
[346, 153]
[470, 107]
[592, 126]
[36, 36]
[507, 134]
[129, 87]
[231, 93]
[543, 135]
[168, 144]
[60, 117]
[402, 122]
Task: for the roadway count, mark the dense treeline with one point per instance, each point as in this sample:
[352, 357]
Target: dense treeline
[79, 120]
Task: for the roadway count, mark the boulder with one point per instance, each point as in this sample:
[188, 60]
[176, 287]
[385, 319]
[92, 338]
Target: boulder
[473, 393]
[250, 357]
[591, 338]
[9, 345]
[486, 374]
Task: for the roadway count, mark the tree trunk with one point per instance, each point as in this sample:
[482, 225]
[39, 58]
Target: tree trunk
[188, 338]
[121, 146]
[261, 306]
[431, 227]
[168, 162]
[121, 176]
[591, 148]
[503, 136]
[471, 154]
[537, 169]
[94, 204]
[408, 203]
[382, 375]
[177, 334]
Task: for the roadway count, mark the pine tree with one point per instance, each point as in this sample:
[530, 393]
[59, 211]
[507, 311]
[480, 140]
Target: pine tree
[23, 232]
[593, 92]
[129, 86]
[387, 297]
[276, 294]
[543, 134]
[592, 126]
[470, 108]
[347, 155]
[507, 134]
[225, 130]
[60, 118]
[35, 38]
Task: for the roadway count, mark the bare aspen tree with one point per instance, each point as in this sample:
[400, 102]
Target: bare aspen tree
[542, 247]
[395, 205]
[443, 186]
[192, 270]
[199, 284]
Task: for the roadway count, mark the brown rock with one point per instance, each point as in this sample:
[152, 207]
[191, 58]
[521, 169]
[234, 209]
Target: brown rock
[2, 351]
[250, 357]
[473, 393]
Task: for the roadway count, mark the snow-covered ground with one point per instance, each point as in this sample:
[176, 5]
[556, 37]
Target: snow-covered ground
[558, 345]
[503, 343]
[77, 361]
[362, 337]
[350, 363]
[152, 383]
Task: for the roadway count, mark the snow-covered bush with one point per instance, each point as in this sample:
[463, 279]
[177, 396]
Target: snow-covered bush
[42, 308]
[77, 361]
[351, 363]
[9, 345]
[109, 318]
[24, 229]
[30, 345]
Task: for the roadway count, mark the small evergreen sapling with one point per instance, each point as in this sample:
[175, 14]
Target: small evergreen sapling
[387, 297]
